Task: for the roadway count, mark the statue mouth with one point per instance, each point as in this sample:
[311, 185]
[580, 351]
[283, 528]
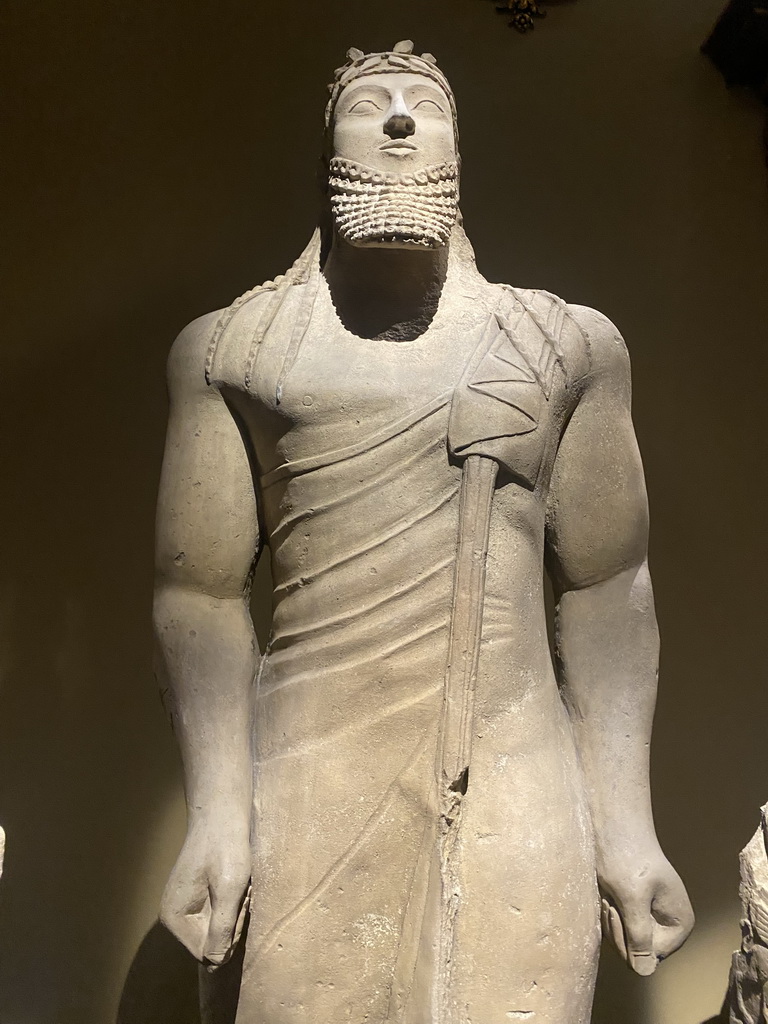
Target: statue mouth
[399, 146]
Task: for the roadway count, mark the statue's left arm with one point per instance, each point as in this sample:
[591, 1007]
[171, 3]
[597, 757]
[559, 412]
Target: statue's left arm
[607, 649]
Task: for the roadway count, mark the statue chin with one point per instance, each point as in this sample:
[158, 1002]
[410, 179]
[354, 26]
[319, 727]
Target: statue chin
[399, 241]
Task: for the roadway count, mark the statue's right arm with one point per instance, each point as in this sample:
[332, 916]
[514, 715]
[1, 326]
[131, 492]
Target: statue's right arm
[207, 653]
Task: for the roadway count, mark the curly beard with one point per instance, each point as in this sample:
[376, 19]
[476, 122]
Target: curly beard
[409, 210]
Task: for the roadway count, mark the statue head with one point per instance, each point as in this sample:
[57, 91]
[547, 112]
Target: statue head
[392, 150]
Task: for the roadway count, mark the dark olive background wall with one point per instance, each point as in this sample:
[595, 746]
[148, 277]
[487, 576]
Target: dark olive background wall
[159, 159]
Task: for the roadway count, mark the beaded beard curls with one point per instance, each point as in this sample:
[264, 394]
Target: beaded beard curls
[409, 210]
[416, 210]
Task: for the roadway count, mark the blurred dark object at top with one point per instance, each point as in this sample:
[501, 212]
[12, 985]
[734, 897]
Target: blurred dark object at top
[738, 45]
[522, 12]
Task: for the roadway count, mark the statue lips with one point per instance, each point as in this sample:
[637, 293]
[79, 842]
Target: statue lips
[400, 147]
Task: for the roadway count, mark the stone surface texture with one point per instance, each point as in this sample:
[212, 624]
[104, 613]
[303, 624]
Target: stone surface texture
[748, 990]
[423, 818]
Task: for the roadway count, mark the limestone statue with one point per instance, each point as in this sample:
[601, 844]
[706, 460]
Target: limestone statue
[748, 991]
[432, 818]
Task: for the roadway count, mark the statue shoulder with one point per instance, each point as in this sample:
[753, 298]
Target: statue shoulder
[187, 358]
[541, 313]
[587, 343]
[197, 356]
[607, 358]
[216, 348]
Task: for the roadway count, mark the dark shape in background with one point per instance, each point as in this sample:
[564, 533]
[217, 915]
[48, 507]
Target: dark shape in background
[738, 47]
[522, 13]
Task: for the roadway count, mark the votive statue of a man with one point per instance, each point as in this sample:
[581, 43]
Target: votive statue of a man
[426, 821]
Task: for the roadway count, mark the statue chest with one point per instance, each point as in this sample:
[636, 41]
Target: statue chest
[493, 389]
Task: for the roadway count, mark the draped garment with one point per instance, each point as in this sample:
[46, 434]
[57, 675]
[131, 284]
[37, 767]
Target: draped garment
[359, 503]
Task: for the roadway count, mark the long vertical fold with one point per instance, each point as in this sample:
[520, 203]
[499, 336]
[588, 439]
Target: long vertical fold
[477, 486]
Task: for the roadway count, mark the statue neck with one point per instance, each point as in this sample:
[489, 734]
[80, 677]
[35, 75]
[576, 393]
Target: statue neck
[385, 293]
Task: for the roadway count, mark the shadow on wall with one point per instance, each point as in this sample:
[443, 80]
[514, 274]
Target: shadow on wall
[82, 731]
[719, 1018]
[162, 985]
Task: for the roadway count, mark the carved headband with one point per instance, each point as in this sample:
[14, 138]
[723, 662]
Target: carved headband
[400, 59]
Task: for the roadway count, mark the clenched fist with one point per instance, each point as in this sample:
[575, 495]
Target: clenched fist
[206, 899]
[646, 912]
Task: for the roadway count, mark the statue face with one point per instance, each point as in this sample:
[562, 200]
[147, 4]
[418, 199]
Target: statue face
[398, 122]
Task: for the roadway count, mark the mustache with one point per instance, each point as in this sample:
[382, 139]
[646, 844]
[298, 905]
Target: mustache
[351, 171]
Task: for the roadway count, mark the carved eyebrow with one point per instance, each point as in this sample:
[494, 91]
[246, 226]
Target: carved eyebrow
[416, 103]
[364, 99]
[366, 90]
[414, 93]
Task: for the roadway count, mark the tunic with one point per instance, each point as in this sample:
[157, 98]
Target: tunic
[358, 488]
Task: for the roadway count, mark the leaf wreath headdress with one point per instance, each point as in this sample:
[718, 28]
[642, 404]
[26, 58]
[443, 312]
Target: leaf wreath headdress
[400, 58]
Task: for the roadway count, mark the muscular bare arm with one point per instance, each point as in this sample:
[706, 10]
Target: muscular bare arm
[207, 541]
[607, 646]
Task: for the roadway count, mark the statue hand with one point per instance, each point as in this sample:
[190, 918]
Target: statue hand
[206, 899]
[646, 912]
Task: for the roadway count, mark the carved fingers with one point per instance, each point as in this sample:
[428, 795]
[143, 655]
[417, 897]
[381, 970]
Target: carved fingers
[672, 913]
[206, 901]
[632, 934]
[647, 918]
[229, 905]
[185, 908]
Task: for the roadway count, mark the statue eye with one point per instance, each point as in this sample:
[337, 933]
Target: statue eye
[364, 107]
[431, 103]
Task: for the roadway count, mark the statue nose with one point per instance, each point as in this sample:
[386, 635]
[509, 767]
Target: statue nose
[400, 126]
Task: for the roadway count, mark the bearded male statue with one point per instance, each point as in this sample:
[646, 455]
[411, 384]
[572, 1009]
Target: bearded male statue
[426, 821]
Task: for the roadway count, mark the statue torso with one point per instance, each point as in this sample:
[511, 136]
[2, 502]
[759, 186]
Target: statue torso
[357, 468]
[357, 471]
